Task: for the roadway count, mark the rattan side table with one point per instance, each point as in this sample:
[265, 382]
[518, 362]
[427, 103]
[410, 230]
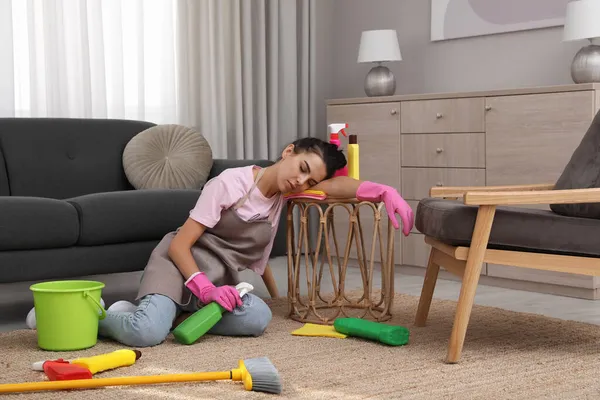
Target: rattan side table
[324, 306]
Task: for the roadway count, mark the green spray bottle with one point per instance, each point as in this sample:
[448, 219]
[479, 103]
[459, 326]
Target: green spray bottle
[200, 322]
[393, 335]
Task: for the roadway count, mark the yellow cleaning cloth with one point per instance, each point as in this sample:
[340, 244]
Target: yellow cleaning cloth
[318, 330]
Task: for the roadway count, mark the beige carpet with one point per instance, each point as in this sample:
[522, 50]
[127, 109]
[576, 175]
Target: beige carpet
[507, 356]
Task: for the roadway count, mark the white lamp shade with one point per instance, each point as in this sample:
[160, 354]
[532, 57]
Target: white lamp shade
[378, 46]
[582, 20]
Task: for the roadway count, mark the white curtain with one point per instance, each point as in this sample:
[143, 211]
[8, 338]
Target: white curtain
[241, 71]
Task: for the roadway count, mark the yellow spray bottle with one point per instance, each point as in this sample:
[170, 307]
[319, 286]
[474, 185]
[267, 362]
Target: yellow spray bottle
[99, 363]
[353, 157]
[104, 362]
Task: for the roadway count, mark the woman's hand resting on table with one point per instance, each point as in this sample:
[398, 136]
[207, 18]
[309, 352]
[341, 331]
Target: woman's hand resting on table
[346, 187]
[394, 203]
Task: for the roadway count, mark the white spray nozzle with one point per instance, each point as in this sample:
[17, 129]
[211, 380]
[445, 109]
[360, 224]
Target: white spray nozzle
[38, 365]
[243, 288]
[338, 127]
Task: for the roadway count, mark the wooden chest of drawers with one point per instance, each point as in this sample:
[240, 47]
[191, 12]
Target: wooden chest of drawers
[456, 150]
[501, 137]
[443, 115]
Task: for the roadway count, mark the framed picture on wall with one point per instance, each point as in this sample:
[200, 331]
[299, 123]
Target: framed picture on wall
[452, 19]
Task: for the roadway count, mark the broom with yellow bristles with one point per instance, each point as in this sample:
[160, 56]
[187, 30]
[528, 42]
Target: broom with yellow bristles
[257, 374]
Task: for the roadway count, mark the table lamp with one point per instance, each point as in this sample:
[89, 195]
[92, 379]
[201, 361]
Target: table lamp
[582, 21]
[379, 46]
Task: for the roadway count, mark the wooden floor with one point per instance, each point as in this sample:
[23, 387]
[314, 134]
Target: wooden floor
[16, 299]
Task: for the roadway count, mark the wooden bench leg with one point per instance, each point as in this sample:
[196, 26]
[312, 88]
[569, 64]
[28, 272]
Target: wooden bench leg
[270, 283]
[431, 276]
[479, 242]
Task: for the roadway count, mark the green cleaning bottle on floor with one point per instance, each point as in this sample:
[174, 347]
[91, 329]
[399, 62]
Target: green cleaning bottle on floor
[200, 322]
[393, 335]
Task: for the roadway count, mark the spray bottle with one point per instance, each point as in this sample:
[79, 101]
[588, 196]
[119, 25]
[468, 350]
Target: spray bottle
[353, 157]
[200, 322]
[334, 137]
[84, 368]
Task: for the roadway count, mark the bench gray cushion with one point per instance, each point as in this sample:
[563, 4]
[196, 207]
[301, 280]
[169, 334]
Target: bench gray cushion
[28, 223]
[132, 215]
[514, 228]
[582, 172]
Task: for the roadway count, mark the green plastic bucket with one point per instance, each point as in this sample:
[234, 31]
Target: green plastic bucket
[67, 314]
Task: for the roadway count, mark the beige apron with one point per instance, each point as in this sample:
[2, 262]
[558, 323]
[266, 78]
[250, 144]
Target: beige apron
[221, 252]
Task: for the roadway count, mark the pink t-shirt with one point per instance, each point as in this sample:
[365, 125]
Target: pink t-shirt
[224, 191]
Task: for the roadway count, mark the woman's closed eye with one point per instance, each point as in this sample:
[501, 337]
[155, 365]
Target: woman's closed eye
[311, 182]
[305, 169]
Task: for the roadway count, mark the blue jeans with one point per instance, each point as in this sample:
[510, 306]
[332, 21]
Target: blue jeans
[151, 323]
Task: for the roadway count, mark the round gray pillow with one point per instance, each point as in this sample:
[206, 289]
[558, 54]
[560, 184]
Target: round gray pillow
[167, 157]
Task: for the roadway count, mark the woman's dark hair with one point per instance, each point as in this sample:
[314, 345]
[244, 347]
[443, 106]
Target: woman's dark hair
[333, 157]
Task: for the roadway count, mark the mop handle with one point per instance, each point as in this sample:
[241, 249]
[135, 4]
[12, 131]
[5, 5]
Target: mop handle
[125, 380]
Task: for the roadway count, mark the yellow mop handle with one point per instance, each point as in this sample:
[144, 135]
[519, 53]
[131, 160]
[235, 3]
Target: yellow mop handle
[236, 374]
[126, 380]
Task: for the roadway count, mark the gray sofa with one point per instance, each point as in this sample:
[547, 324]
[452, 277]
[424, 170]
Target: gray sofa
[67, 208]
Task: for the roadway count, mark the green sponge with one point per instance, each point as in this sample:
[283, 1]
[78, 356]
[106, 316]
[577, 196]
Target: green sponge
[393, 335]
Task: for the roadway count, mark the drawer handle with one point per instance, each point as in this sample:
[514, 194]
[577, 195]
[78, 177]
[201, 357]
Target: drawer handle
[488, 108]
[439, 184]
[439, 150]
[394, 111]
[439, 115]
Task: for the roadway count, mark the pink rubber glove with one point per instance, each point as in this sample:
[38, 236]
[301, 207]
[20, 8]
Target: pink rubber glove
[394, 203]
[226, 296]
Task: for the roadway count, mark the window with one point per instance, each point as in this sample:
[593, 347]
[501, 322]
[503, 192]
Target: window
[94, 58]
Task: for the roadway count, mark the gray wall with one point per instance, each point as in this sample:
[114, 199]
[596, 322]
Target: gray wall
[515, 59]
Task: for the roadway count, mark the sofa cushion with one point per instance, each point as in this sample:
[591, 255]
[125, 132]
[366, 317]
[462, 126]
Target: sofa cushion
[132, 215]
[581, 172]
[66, 263]
[167, 157]
[220, 165]
[28, 223]
[514, 228]
[4, 188]
[66, 157]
